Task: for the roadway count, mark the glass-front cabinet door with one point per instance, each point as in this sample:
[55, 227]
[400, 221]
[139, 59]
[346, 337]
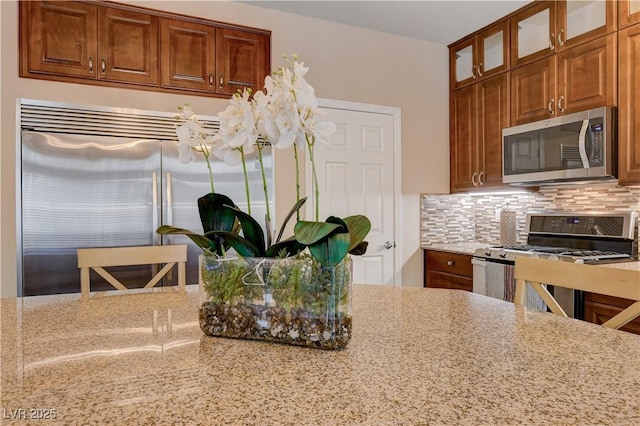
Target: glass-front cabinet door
[580, 20]
[462, 59]
[628, 12]
[533, 33]
[479, 56]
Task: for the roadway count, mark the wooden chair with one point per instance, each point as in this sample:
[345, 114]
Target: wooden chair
[100, 258]
[624, 283]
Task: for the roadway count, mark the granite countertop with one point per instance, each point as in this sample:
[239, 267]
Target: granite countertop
[417, 356]
[461, 248]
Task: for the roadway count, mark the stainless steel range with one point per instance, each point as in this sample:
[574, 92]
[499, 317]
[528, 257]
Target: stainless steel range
[572, 237]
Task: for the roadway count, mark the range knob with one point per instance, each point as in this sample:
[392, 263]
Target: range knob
[502, 253]
[488, 253]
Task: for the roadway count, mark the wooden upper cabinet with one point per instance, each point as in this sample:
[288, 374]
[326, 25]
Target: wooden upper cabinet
[59, 38]
[75, 39]
[242, 60]
[480, 56]
[188, 55]
[628, 12]
[462, 134]
[579, 21]
[576, 79]
[629, 106]
[492, 115]
[119, 45]
[128, 46]
[478, 114]
[587, 76]
[533, 91]
[533, 32]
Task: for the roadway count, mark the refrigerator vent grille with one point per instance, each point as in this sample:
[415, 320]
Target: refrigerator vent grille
[102, 121]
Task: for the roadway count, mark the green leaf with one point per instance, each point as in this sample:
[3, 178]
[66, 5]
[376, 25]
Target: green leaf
[213, 214]
[311, 232]
[360, 249]
[290, 245]
[338, 221]
[359, 227]
[297, 206]
[200, 240]
[331, 251]
[243, 246]
[251, 229]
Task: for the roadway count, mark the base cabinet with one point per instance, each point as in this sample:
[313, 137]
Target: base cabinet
[599, 308]
[448, 270]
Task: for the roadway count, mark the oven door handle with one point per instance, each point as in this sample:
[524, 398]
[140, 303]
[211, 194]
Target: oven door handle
[582, 144]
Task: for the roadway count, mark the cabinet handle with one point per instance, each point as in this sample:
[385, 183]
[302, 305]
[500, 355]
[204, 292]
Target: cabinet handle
[91, 64]
[221, 80]
[451, 262]
[474, 181]
[550, 106]
[103, 66]
[560, 37]
[552, 42]
[480, 69]
[480, 180]
[210, 79]
[473, 72]
[560, 103]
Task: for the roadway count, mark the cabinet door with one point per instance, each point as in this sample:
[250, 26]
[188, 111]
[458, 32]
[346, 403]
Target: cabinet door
[462, 60]
[533, 32]
[492, 116]
[629, 106]
[587, 76]
[128, 46]
[188, 55]
[629, 12]
[580, 21]
[61, 38]
[464, 174]
[533, 92]
[493, 50]
[242, 60]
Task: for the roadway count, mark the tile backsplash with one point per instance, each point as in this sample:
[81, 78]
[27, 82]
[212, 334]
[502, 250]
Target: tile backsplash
[471, 218]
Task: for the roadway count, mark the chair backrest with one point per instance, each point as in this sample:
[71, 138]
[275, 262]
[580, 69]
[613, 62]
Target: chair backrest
[610, 281]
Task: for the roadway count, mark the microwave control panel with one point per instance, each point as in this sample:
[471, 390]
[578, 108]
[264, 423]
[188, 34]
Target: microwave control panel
[596, 157]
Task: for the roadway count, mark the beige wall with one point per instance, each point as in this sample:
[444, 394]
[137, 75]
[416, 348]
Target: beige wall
[347, 63]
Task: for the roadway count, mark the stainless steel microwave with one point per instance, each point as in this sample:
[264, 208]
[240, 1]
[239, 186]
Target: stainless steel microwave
[572, 147]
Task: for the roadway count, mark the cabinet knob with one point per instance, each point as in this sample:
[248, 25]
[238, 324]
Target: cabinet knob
[451, 262]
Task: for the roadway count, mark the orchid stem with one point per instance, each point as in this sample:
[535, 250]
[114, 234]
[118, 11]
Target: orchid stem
[310, 144]
[246, 180]
[295, 155]
[205, 152]
[264, 183]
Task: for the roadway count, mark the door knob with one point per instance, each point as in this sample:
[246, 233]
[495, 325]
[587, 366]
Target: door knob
[388, 245]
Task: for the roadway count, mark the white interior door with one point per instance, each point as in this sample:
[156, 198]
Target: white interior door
[356, 176]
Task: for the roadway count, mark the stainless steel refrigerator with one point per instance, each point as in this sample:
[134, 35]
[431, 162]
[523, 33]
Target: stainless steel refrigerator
[90, 178]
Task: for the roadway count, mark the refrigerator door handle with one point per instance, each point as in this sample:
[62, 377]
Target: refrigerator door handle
[169, 200]
[154, 215]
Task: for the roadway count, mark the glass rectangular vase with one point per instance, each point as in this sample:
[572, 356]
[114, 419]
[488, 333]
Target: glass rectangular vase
[291, 300]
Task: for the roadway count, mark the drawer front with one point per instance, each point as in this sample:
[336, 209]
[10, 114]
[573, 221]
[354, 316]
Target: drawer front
[436, 279]
[452, 263]
[599, 313]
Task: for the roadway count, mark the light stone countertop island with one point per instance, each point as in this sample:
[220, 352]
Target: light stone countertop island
[417, 356]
